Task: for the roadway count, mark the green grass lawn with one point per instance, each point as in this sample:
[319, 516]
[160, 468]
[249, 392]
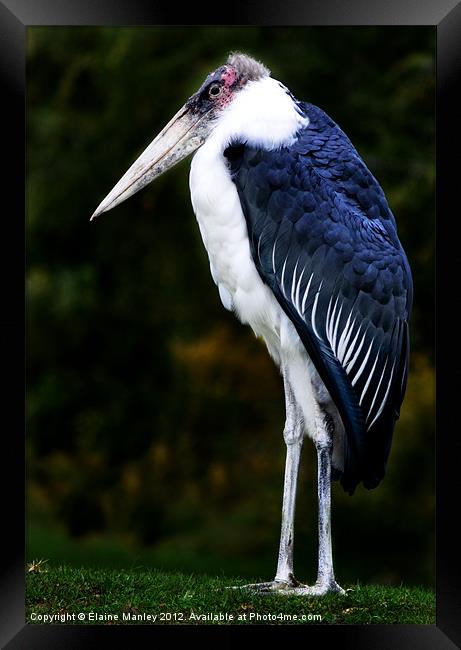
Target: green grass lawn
[98, 595]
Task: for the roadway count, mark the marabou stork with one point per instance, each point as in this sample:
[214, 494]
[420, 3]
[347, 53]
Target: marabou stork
[303, 248]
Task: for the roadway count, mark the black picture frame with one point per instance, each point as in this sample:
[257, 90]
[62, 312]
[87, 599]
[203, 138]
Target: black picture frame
[15, 17]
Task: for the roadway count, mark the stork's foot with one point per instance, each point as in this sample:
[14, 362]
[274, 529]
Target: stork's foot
[321, 589]
[274, 586]
[293, 587]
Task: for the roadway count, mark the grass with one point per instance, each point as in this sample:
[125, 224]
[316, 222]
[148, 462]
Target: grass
[98, 595]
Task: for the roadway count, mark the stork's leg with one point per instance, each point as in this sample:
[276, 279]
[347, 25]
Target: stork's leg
[293, 434]
[325, 577]
[324, 444]
[285, 582]
[326, 582]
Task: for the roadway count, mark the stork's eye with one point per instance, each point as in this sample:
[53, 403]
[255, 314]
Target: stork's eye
[214, 90]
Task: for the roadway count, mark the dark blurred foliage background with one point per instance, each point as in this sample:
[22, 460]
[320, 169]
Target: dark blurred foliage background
[154, 419]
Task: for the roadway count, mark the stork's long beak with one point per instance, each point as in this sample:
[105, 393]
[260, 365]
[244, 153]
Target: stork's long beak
[183, 134]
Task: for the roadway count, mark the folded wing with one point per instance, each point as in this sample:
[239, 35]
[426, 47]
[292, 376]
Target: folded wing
[323, 238]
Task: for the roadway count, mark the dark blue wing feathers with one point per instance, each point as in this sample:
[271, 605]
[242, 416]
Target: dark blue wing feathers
[324, 239]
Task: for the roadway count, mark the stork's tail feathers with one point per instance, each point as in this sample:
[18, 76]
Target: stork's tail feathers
[371, 471]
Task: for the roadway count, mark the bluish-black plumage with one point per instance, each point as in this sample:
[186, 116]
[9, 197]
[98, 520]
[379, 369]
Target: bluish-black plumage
[324, 239]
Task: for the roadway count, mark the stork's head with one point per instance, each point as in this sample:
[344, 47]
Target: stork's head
[190, 127]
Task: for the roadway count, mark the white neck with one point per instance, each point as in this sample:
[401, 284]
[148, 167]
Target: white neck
[262, 114]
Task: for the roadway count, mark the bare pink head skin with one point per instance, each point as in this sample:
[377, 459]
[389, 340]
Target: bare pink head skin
[220, 86]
